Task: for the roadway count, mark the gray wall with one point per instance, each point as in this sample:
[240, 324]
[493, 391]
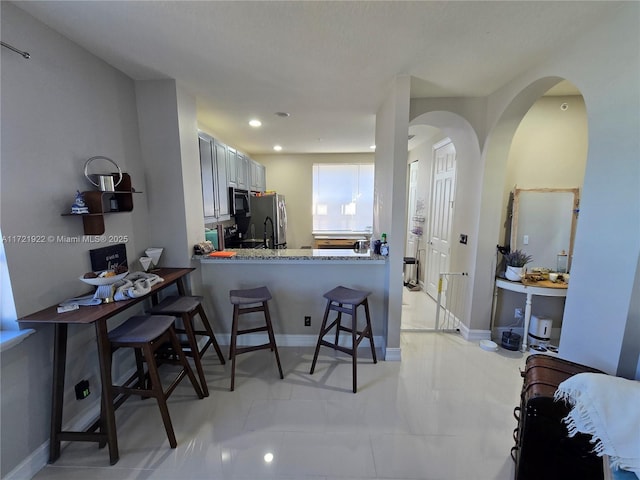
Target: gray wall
[58, 109]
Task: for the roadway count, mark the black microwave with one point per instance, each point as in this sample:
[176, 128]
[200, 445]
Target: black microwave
[239, 202]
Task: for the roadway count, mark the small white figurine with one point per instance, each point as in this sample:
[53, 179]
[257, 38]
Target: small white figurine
[79, 206]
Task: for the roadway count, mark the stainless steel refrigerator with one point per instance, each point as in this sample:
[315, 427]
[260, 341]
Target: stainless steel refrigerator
[269, 219]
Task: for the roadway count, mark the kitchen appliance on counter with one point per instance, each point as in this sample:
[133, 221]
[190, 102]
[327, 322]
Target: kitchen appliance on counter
[269, 220]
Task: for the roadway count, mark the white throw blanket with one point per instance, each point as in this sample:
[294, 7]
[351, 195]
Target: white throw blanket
[608, 408]
[134, 285]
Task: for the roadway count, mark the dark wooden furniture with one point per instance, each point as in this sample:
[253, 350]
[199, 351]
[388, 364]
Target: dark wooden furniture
[543, 447]
[145, 334]
[187, 307]
[242, 301]
[104, 429]
[346, 300]
[98, 203]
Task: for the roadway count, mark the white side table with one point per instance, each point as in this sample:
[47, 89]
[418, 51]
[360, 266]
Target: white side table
[543, 288]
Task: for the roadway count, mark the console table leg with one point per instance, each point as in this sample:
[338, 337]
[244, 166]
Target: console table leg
[108, 417]
[57, 391]
[527, 319]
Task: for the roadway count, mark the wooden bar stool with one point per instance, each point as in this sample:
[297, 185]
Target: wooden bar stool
[145, 334]
[240, 299]
[346, 300]
[187, 307]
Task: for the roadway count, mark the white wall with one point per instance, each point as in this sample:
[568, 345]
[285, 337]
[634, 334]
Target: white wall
[549, 148]
[292, 176]
[390, 199]
[59, 108]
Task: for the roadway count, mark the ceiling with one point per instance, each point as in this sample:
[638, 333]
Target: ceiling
[328, 64]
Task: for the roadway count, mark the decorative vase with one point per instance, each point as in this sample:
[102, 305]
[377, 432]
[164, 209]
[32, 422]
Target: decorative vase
[514, 273]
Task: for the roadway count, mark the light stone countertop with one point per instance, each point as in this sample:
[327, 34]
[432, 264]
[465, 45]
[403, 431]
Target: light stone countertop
[294, 255]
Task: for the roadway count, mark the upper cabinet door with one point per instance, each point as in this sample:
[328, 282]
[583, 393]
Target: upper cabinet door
[206, 169]
[222, 196]
[242, 171]
[258, 177]
[232, 169]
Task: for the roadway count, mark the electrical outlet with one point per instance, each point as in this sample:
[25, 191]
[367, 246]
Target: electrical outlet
[82, 389]
[307, 321]
[518, 313]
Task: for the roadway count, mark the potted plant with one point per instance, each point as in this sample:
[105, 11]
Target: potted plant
[516, 260]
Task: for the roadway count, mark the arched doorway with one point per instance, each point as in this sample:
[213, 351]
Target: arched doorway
[545, 165]
[430, 132]
[499, 178]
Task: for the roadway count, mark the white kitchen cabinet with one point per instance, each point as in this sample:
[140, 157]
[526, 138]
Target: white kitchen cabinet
[213, 168]
[258, 177]
[242, 171]
[232, 166]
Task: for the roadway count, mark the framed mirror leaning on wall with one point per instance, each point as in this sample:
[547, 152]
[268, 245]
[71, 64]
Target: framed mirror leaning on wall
[543, 224]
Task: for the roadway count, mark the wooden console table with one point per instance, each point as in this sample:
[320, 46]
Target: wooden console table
[98, 316]
[543, 288]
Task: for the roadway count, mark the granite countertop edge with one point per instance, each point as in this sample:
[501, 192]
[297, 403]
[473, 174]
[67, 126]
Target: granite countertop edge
[312, 255]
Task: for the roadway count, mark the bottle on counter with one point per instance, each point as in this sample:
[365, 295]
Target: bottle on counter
[384, 246]
[376, 247]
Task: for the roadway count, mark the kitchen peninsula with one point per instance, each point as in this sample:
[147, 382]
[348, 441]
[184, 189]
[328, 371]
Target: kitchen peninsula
[297, 279]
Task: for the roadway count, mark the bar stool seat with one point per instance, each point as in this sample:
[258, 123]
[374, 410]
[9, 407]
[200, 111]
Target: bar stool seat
[187, 307]
[241, 300]
[346, 300]
[145, 334]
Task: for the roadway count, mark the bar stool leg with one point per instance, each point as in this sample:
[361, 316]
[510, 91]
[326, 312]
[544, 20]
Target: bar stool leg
[320, 335]
[183, 358]
[232, 346]
[338, 322]
[195, 352]
[209, 330]
[272, 338]
[370, 329]
[354, 346]
[156, 388]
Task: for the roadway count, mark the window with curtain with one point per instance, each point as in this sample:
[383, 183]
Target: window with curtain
[342, 197]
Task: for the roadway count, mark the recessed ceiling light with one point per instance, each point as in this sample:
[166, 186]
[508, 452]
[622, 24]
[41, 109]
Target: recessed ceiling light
[277, 148]
[282, 114]
[255, 123]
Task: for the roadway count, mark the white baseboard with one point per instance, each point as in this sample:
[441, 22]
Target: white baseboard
[31, 465]
[473, 335]
[39, 458]
[392, 354]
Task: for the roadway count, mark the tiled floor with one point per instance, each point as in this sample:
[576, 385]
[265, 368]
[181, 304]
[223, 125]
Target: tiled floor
[444, 412]
[418, 311]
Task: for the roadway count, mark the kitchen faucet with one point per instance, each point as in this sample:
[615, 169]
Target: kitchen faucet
[273, 234]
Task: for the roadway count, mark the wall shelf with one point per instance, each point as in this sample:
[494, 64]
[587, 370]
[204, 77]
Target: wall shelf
[98, 203]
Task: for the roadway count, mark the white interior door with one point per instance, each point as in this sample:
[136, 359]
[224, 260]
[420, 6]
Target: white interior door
[410, 250]
[441, 214]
